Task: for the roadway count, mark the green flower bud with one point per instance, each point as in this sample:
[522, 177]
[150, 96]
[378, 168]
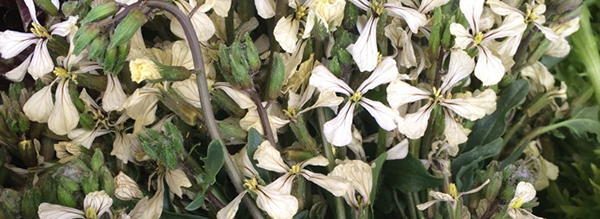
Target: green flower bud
[334, 66]
[224, 61]
[107, 181]
[173, 73]
[98, 48]
[69, 8]
[84, 36]
[65, 196]
[492, 189]
[90, 183]
[47, 6]
[110, 59]
[127, 28]
[30, 202]
[122, 53]
[100, 12]
[97, 160]
[276, 77]
[239, 67]
[252, 55]
[146, 69]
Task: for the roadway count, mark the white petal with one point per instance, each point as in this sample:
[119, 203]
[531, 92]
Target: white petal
[325, 99]
[384, 73]
[398, 151]
[242, 99]
[265, 8]
[525, 191]
[65, 28]
[548, 33]
[31, 8]
[539, 76]
[17, 74]
[441, 196]
[501, 8]
[114, 96]
[476, 189]
[559, 49]
[360, 175]
[455, 133]
[413, 125]
[141, 106]
[356, 146]
[64, 116]
[41, 62]
[123, 145]
[461, 65]
[315, 161]
[12, 43]
[203, 25]
[99, 201]
[364, 50]
[243, 163]
[277, 205]
[269, 158]
[286, 33]
[176, 179]
[338, 131]
[462, 36]
[413, 18]
[52, 211]
[229, 211]
[472, 9]
[472, 107]
[426, 205]
[222, 7]
[400, 93]
[39, 106]
[336, 185]
[362, 4]
[512, 25]
[324, 80]
[283, 184]
[384, 116]
[429, 5]
[188, 90]
[86, 137]
[489, 68]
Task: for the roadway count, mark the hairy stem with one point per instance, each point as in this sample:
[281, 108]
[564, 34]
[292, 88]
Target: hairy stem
[211, 122]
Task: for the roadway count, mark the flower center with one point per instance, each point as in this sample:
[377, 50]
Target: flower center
[300, 12]
[251, 184]
[356, 96]
[291, 112]
[295, 169]
[61, 72]
[478, 38]
[531, 16]
[90, 213]
[377, 7]
[517, 203]
[39, 30]
[452, 190]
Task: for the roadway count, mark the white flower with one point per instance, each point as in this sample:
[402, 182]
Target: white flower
[39, 106]
[287, 28]
[338, 131]
[86, 137]
[176, 179]
[561, 48]
[114, 96]
[534, 14]
[64, 116]
[467, 105]
[38, 63]
[95, 205]
[329, 12]
[489, 68]
[150, 208]
[202, 24]
[270, 159]
[360, 175]
[126, 188]
[452, 196]
[544, 170]
[265, 8]
[125, 146]
[525, 192]
[364, 50]
[67, 151]
[141, 106]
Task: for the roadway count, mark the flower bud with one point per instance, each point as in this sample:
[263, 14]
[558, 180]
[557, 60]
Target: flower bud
[84, 36]
[173, 73]
[143, 69]
[97, 160]
[122, 53]
[110, 59]
[30, 202]
[231, 131]
[47, 6]
[28, 154]
[492, 189]
[126, 188]
[252, 55]
[98, 48]
[239, 67]
[127, 28]
[100, 12]
[276, 78]
[90, 183]
[329, 12]
[106, 180]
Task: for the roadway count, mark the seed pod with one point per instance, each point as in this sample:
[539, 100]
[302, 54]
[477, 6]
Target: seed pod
[252, 55]
[84, 37]
[276, 77]
[110, 59]
[100, 12]
[127, 28]
[173, 73]
[98, 48]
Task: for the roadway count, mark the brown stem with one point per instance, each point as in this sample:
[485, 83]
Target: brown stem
[264, 117]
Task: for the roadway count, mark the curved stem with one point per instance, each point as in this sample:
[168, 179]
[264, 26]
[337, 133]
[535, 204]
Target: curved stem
[264, 117]
[211, 122]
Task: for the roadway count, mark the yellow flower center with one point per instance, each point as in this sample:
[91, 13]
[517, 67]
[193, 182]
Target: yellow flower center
[518, 202]
[478, 38]
[531, 16]
[377, 7]
[251, 184]
[300, 12]
[90, 213]
[61, 72]
[452, 190]
[39, 30]
[356, 96]
[295, 169]
[291, 112]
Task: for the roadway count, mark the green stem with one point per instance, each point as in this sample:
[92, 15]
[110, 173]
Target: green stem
[586, 48]
[298, 126]
[381, 141]
[210, 121]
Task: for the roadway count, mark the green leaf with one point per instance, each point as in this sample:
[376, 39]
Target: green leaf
[377, 165]
[493, 126]
[213, 162]
[254, 140]
[468, 161]
[408, 175]
[583, 122]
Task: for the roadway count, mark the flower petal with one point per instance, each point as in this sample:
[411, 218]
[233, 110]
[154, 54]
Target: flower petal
[176, 179]
[315, 161]
[460, 67]
[13, 42]
[269, 158]
[413, 125]
[384, 73]
[52, 211]
[265, 8]
[68, 27]
[525, 191]
[462, 36]
[338, 131]
[398, 151]
[277, 205]
[385, 116]
[114, 96]
[400, 93]
[86, 137]
[99, 201]
[18, 73]
[64, 116]
[229, 211]
[336, 185]
[472, 9]
[455, 133]
[39, 106]
[489, 68]
[472, 107]
[41, 62]
[413, 18]
[324, 80]
[364, 50]
[283, 184]
[286, 33]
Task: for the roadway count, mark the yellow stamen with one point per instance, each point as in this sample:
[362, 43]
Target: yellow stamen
[251, 184]
[90, 213]
[356, 97]
[300, 12]
[452, 190]
[478, 38]
[518, 202]
[291, 112]
[61, 72]
[39, 30]
[531, 16]
[295, 169]
[377, 7]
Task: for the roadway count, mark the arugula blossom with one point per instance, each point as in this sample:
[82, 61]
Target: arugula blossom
[95, 205]
[338, 131]
[489, 68]
[525, 192]
[360, 175]
[453, 196]
[467, 105]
